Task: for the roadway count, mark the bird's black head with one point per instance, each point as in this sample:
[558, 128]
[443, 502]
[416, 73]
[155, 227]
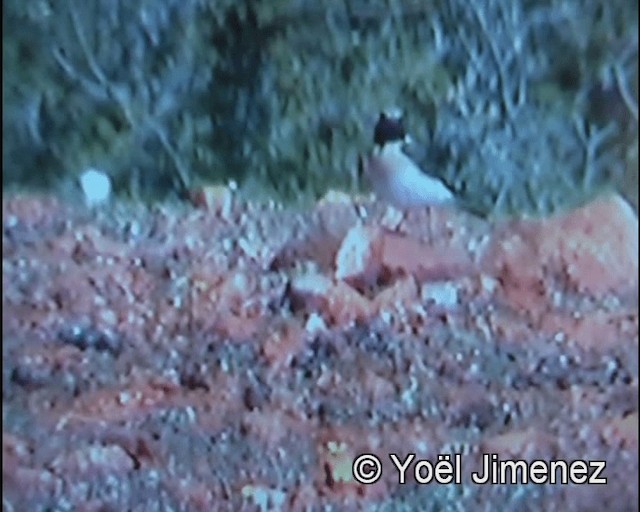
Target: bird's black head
[388, 129]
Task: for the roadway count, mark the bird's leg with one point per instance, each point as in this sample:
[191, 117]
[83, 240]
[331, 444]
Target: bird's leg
[361, 213]
[393, 218]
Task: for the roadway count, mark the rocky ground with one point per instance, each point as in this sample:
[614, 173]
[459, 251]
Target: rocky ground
[239, 357]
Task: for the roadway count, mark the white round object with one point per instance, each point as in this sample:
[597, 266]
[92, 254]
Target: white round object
[96, 187]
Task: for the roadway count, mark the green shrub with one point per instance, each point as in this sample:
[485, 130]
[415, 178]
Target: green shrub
[522, 106]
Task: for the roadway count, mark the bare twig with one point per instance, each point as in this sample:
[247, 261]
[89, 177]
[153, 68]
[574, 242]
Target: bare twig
[102, 88]
[88, 55]
[183, 173]
[627, 97]
[498, 57]
[98, 91]
[591, 139]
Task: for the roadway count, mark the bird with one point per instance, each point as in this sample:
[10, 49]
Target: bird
[394, 177]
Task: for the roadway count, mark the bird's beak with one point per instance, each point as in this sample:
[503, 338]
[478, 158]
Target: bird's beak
[408, 139]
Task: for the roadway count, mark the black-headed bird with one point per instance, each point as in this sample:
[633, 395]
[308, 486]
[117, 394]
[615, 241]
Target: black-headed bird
[394, 176]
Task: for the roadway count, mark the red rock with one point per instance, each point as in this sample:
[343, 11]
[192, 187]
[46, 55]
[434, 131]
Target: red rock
[337, 213]
[74, 292]
[223, 401]
[345, 305]
[123, 404]
[517, 444]
[31, 208]
[314, 244]
[203, 279]
[284, 343]
[441, 261]
[171, 315]
[263, 496]
[238, 327]
[444, 294]
[193, 495]
[234, 292]
[225, 303]
[304, 496]
[339, 302]
[358, 259]
[91, 506]
[276, 426]
[63, 246]
[258, 251]
[43, 361]
[142, 283]
[87, 243]
[315, 324]
[38, 481]
[404, 292]
[622, 432]
[595, 330]
[202, 312]
[436, 387]
[597, 245]
[91, 243]
[515, 261]
[93, 460]
[432, 223]
[376, 387]
[506, 326]
[214, 198]
[311, 290]
[14, 450]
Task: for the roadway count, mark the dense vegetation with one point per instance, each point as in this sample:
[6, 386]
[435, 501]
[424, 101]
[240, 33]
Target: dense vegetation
[522, 105]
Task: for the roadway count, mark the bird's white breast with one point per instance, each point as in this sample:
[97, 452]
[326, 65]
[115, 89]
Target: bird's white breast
[396, 179]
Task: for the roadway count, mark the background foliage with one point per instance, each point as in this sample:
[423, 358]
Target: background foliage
[520, 105]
